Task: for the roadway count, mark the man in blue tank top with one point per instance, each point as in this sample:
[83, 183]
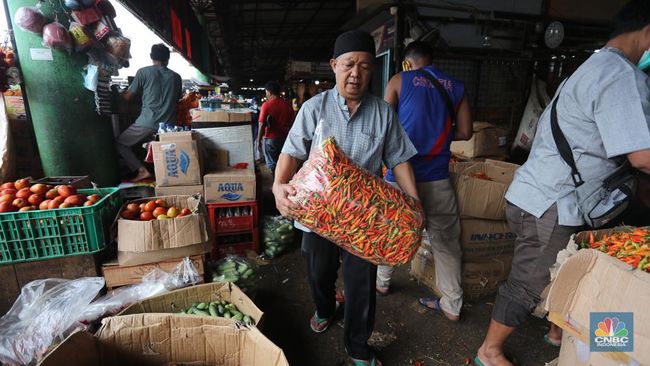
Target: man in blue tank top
[426, 116]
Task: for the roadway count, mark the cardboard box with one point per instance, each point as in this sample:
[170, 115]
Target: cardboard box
[484, 239]
[574, 352]
[177, 160]
[140, 242]
[591, 281]
[479, 279]
[234, 143]
[15, 107]
[488, 140]
[180, 190]
[116, 275]
[220, 115]
[175, 301]
[230, 185]
[482, 198]
[165, 339]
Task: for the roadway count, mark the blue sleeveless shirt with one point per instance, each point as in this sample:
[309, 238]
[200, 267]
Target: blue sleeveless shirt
[423, 113]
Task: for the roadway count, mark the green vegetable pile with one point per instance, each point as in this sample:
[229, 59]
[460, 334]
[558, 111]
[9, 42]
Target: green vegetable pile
[237, 270]
[278, 234]
[219, 308]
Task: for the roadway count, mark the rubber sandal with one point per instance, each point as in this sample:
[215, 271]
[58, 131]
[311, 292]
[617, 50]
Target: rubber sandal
[373, 362]
[553, 343]
[436, 307]
[478, 362]
[319, 325]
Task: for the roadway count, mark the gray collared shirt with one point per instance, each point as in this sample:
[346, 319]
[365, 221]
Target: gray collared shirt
[603, 110]
[371, 136]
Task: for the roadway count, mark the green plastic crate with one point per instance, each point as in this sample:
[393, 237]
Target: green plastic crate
[45, 234]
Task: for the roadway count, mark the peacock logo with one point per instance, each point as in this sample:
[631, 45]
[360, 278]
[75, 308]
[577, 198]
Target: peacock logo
[611, 332]
[611, 327]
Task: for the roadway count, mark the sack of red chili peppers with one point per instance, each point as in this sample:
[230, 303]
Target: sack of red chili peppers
[355, 209]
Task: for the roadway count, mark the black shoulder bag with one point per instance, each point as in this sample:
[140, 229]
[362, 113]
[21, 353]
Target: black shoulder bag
[602, 199]
[443, 93]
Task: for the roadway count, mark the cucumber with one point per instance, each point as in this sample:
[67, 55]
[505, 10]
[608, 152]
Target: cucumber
[269, 252]
[213, 310]
[247, 320]
[227, 315]
[201, 312]
[242, 268]
[220, 309]
[202, 306]
[238, 317]
[249, 272]
[227, 264]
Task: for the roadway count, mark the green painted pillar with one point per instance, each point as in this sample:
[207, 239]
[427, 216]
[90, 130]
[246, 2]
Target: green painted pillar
[72, 138]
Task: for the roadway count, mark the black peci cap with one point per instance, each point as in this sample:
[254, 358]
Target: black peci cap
[354, 41]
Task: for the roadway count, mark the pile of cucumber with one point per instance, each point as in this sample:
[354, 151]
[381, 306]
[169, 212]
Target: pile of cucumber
[219, 308]
[237, 270]
[278, 235]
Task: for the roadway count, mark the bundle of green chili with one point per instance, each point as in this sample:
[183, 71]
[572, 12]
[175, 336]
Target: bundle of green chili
[355, 209]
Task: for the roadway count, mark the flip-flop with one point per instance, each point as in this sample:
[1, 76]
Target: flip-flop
[372, 362]
[478, 362]
[553, 343]
[436, 306]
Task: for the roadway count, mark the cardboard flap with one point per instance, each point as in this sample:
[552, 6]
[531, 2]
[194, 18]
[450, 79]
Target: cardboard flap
[190, 339]
[143, 236]
[592, 281]
[175, 301]
[500, 171]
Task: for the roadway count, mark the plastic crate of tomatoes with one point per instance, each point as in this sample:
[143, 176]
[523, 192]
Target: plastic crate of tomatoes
[44, 222]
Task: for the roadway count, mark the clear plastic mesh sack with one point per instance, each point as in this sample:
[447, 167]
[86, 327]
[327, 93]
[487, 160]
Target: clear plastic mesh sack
[355, 209]
[238, 270]
[41, 315]
[278, 235]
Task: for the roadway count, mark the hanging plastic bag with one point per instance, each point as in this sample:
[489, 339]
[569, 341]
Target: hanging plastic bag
[56, 36]
[43, 313]
[119, 46]
[537, 102]
[237, 270]
[81, 37]
[30, 19]
[278, 235]
[153, 283]
[91, 77]
[355, 209]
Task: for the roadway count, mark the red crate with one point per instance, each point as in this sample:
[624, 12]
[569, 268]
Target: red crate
[233, 217]
[239, 244]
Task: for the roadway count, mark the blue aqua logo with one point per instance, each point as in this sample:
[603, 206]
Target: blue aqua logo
[611, 332]
[184, 162]
[231, 196]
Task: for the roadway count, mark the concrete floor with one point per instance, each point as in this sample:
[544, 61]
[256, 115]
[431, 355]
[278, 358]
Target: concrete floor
[405, 332]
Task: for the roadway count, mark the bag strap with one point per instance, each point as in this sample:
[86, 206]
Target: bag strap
[443, 93]
[563, 145]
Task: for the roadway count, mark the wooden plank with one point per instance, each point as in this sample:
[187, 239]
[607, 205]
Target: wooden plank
[116, 275]
[9, 288]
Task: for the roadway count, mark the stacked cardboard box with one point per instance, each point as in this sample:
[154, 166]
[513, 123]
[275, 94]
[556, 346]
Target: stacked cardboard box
[141, 242]
[488, 141]
[486, 239]
[178, 162]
